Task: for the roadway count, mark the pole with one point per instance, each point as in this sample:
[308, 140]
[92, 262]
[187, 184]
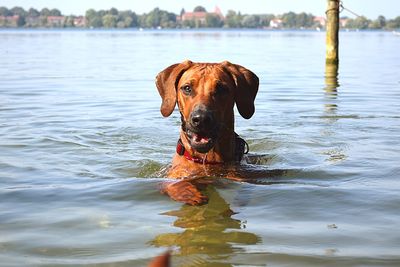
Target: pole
[332, 32]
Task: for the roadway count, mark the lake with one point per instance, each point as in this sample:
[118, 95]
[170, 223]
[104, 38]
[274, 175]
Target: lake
[83, 146]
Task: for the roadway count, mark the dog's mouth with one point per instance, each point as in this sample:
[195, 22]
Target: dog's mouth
[201, 142]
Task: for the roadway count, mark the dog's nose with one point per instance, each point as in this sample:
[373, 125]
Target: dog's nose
[201, 118]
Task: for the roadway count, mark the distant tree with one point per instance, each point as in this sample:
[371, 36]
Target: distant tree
[33, 12]
[69, 21]
[182, 12]
[101, 13]
[113, 11]
[109, 21]
[5, 12]
[304, 20]
[21, 21]
[188, 24]
[135, 21]
[379, 23]
[213, 21]
[153, 18]
[55, 12]
[42, 21]
[167, 19]
[393, 23]
[233, 20]
[199, 9]
[93, 19]
[142, 20]
[289, 20]
[158, 18]
[251, 21]
[45, 12]
[90, 13]
[361, 23]
[19, 11]
[265, 19]
[293, 20]
[128, 18]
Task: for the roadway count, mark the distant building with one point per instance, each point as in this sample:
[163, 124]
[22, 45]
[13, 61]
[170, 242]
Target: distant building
[200, 16]
[80, 21]
[10, 21]
[343, 22]
[320, 20]
[55, 21]
[276, 23]
[33, 21]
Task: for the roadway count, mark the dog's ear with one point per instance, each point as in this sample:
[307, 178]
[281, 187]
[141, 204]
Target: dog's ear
[246, 88]
[166, 82]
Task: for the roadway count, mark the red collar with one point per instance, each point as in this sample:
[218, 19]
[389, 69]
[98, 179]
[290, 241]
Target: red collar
[241, 148]
[180, 149]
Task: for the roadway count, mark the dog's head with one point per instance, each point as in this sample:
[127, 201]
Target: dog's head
[206, 94]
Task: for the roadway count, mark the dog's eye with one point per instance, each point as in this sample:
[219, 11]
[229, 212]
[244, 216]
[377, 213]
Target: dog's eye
[186, 89]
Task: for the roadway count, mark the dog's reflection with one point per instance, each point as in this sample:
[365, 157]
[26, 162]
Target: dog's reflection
[210, 232]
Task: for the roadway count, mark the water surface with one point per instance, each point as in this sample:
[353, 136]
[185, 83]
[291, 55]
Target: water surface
[82, 144]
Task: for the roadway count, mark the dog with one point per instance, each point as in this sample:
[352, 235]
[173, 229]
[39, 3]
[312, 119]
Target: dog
[205, 94]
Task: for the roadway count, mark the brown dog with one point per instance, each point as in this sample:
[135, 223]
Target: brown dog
[205, 94]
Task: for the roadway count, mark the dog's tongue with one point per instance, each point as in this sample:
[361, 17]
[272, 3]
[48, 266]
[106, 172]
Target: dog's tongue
[200, 139]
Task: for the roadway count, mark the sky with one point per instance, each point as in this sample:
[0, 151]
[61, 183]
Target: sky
[369, 8]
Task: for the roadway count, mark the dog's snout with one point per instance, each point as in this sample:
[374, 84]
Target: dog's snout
[202, 118]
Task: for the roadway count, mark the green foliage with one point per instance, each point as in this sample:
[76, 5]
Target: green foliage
[233, 20]
[358, 23]
[157, 18]
[394, 23]
[128, 18]
[213, 21]
[33, 12]
[55, 12]
[379, 23]
[19, 11]
[304, 20]
[266, 19]
[109, 21]
[188, 24]
[69, 21]
[21, 21]
[113, 11]
[93, 19]
[5, 12]
[45, 12]
[111, 18]
[251, 21]
[293, 20]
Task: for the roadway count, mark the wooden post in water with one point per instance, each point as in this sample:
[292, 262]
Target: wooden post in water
[332, 32]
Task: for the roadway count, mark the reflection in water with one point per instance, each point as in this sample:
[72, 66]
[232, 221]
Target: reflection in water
[208, 234]
[331, 86]
[335, 154]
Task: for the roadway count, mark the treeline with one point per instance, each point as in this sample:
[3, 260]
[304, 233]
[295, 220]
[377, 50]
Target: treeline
[157, 18]
[19, 17]
[111, 19]
[286, 20]
[381, 22]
